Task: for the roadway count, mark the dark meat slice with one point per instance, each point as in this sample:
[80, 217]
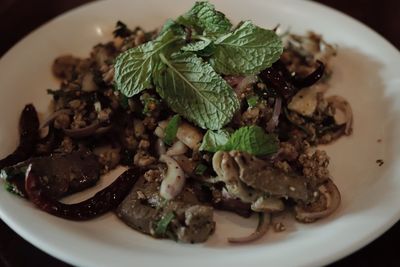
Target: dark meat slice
[102, 202]
[143, 209]
[261, 175]
[60, 174]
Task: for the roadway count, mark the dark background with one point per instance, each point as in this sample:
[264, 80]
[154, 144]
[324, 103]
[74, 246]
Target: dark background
[19, 17]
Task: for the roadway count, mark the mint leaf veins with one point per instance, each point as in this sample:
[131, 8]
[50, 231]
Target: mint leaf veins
[134, 67]
[251, 139]
[247, 50]
[192, 88]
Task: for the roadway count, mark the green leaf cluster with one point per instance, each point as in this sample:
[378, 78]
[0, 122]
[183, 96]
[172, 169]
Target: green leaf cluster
[186, 69]
[250, 139]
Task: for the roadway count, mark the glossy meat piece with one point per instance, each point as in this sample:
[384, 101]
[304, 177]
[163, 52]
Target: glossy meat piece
[102, 202]
[143, 208]
[59, 174]
[261, 175]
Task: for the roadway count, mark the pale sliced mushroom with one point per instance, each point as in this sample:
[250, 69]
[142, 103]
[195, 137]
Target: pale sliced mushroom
[185, 163]
[228, 172]
[174, 180]
[189, 135]
[305, 101]
[178, 148]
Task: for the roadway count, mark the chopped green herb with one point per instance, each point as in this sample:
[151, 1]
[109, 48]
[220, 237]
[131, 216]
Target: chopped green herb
[172, 129]
[162, 224]
[253, 100]
[200, 169]
[9, 187]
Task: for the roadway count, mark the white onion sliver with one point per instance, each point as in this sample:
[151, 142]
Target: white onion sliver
[274, 121]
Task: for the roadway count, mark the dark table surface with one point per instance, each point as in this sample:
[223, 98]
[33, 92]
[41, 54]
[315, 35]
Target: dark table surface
[19, 17]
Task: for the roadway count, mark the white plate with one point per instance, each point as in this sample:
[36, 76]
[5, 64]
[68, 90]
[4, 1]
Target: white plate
[366, 72]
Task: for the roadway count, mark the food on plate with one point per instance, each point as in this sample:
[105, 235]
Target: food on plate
[203, 114]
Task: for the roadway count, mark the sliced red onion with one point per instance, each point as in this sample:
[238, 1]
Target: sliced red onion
[274, 121]
[53, 116]
[264, 220]
[83, 132]
[332, 194]
[103, 130]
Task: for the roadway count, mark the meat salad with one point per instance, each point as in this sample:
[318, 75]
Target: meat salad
[204, 115]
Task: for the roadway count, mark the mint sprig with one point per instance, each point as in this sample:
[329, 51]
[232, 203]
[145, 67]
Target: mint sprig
[186, 71]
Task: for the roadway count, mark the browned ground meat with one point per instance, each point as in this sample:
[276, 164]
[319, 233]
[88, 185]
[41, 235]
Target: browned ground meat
[315, 166]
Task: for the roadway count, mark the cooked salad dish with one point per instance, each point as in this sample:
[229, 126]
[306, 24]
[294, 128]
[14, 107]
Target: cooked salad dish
[204, 116]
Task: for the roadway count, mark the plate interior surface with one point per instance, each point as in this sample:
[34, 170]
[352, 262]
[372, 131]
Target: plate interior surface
[365, 73]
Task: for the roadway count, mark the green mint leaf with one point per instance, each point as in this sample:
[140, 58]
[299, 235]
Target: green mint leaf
[204, 18]
[213, 140]
[162, 224]
[247, 50]
[172, 129]
[194, 90]
[197, 46]
[134, 67]
[253, 140]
